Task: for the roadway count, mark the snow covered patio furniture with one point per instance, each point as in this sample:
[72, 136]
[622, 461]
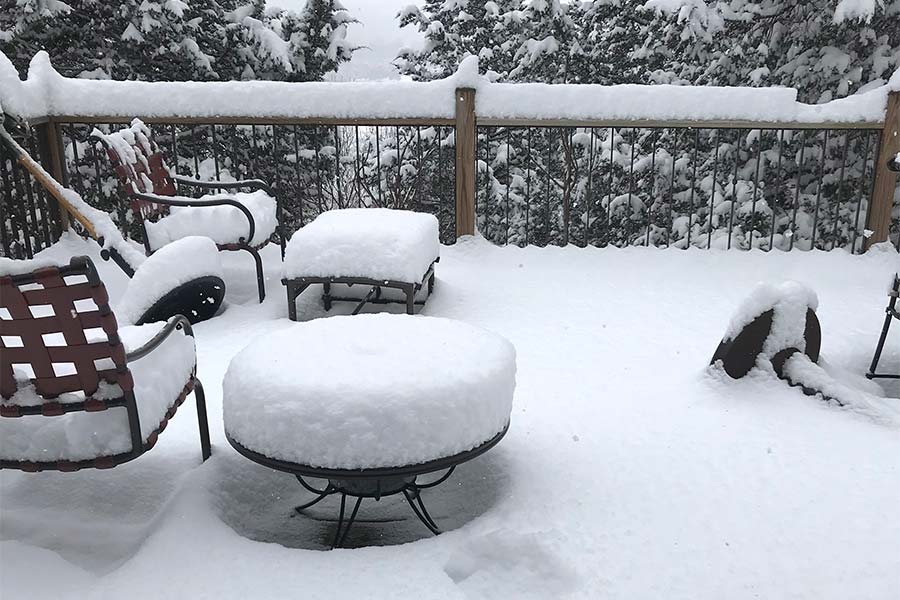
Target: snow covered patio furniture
[376, 248]
[891, 312]
[238, 221]
[77, 390]
[370, 404]
[164, 284]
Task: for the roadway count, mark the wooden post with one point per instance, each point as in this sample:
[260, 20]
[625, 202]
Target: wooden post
[50, 146]
[879, 217]
[465, 161]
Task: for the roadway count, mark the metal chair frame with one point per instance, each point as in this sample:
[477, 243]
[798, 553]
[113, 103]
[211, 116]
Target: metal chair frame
[49, 286]
[147, 205]
[891, 313]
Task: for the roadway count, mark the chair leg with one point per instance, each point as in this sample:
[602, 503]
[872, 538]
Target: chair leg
[203, 422]
[292, 301]
[260, 279]
[878, 349]
[410, 300]
[326, 295]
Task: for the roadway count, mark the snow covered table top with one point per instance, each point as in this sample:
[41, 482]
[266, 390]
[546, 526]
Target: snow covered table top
[371, 391]
[378, 243]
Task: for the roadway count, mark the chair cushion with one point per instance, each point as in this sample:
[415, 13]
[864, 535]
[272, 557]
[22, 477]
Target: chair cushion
[159, 378]
[223, 224]
[377, 243]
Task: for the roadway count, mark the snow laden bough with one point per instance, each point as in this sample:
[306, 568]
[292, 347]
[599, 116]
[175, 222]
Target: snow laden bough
[776, 330]
[162, 285]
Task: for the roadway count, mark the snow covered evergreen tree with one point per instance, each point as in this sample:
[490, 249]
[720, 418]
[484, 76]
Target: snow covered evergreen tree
[128, 40]
[610, 186]
[455, 29]
[178, 40]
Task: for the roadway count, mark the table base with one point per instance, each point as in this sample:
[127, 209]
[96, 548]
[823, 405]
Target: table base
[374, 489]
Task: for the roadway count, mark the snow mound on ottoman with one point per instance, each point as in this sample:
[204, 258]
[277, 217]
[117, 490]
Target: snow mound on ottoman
[370, 391]
[378, 243]
[169, 267]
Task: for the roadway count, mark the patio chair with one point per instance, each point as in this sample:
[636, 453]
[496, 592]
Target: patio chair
[240, 221]
[78, 391]
[891, 313]
[163, 285]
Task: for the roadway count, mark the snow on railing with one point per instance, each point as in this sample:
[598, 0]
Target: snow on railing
[47, 93]
[521, 163]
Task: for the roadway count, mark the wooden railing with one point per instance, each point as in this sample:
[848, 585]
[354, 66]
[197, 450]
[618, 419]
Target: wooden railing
[517, 181]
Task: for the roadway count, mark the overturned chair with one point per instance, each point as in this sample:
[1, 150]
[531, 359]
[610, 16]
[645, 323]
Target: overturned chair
[237, 221]
[77, 390]
[776, 330]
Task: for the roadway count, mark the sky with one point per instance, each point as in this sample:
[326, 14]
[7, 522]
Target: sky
[378, 30]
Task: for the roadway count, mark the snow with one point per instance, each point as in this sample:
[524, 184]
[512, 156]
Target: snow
[159, 378]
[104, 227]
[290, 395]
[46, 92]
[169, 267]
[858, 395]
[788, 302]
[223, 224]
[862, 10]
[124, 141]
[629, 471]
[378, 243]
[9, 266]
[669, 102]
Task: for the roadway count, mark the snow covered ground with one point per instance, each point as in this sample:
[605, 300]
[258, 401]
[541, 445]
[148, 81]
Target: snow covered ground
[629, 471]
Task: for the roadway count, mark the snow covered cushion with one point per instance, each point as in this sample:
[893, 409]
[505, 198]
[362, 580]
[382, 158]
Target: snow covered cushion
[223, 224]
[370, 391]
[159, 378]
[378, 243]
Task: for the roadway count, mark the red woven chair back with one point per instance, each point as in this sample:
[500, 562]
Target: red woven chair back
[56, 323]
[140, 167]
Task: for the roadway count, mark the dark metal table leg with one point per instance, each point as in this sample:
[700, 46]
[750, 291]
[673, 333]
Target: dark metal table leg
[425, 518]
[326, 295]
[410, 299]
[350, 522]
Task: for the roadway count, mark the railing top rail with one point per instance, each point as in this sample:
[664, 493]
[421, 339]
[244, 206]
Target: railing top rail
[46, 94]
[248, 120]
[676, 123]
[480, 122]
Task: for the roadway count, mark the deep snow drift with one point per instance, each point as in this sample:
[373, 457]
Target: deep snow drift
[629, 470]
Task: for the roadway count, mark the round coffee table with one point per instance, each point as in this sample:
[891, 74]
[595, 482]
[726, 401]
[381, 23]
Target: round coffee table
[370, 403]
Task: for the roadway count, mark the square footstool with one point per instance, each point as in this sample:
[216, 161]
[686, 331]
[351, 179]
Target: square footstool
[378, 249]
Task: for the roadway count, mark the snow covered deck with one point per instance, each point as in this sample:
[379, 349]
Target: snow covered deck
[628, 471]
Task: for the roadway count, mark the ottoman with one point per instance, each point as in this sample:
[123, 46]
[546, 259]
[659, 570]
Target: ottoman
[376, 248]
[370, 403]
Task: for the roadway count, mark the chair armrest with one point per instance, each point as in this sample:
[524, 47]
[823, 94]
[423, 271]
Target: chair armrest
[214, 201]
[253, 184]
[178, 322]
